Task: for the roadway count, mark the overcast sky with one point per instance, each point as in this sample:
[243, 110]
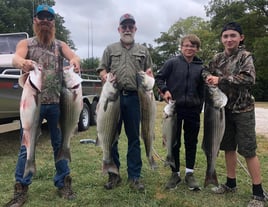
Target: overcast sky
[96, 21]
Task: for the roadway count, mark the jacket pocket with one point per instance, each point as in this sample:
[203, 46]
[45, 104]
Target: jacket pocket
[139, 60]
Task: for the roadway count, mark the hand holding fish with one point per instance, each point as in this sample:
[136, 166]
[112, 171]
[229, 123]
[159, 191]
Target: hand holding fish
[167, 96]
[27, 65]
[103, 76]
[212, 80]
[76, 64]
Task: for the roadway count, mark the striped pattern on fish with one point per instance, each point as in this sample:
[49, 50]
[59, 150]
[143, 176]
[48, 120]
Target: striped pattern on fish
[30, 104]
[169, 131]
[148, 115]
[214, 126]
[108, 115]
[71, 104]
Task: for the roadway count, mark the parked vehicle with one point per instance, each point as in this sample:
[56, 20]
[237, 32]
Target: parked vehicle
[10, 91]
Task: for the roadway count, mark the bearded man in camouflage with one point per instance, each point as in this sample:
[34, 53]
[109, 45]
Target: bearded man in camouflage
[48, 52]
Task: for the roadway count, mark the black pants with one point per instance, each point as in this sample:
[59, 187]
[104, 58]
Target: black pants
[188, 119]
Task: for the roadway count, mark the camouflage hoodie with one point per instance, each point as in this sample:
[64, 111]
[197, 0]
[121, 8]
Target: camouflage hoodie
[237, 75]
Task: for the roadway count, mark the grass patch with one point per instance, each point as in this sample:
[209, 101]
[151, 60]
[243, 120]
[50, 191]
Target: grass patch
[88, 180]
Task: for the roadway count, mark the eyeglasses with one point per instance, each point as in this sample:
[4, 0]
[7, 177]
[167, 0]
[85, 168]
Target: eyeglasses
[189, 46]
[125, 26]
[45, 16]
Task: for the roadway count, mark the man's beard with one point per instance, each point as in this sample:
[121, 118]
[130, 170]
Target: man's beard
[127, 39]
[45, 33]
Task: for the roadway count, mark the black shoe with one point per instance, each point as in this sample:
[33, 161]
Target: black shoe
[113, 181]
[136, 184]
[20, 196]
[66, 191]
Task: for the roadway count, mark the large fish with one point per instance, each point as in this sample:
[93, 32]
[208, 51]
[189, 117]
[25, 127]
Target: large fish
[214, 126]
[169, 131]
[108, 115]
[30, 104]
[71, 105]
[148, 115]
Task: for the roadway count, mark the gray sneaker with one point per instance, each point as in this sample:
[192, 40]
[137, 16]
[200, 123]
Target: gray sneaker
[222, 189]
[173, 181]
[191, 181]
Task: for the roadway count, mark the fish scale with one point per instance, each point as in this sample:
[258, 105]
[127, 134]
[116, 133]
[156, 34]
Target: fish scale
[214, 126]
[29, 114]
[108, 115]
[148, 115]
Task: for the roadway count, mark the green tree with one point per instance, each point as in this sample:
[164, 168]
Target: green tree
[89, 65]
[17, 16]
[168, 42]
[253, 17]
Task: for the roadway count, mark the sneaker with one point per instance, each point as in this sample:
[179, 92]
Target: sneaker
[20, 196]
[222, 189]
[136, 184]
[113, 181]
[66, 191]
[257, 201]
[173, 181]
[191, 181]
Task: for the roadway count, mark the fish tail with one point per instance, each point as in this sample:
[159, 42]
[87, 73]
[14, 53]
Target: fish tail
[152, 163]
[64, 154]
[29, 168]
[169, 162]
[109, 167]
[211, 178]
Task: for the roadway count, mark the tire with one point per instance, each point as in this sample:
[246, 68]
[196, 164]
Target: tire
[84, 119]
[93, 113]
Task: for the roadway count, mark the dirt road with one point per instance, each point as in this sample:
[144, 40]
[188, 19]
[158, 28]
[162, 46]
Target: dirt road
[261, 121]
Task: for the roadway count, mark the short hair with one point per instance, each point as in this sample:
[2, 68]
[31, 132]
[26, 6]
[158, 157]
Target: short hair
[193, 39]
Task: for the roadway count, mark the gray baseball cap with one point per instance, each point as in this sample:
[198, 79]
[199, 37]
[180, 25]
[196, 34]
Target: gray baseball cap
[126, 17]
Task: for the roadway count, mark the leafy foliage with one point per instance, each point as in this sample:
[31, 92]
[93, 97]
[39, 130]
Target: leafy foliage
[17, 16]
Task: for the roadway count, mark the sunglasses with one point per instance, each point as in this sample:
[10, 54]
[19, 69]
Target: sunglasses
[45, 16]
[125, 26]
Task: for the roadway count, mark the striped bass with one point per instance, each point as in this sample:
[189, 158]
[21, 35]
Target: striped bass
[108, 115]
[148, 115]
[214, 126]
[71, 105]
[30, 104]
[169, 131]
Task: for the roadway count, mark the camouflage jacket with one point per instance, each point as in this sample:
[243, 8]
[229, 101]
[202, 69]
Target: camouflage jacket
[236, 77]
[52, 61]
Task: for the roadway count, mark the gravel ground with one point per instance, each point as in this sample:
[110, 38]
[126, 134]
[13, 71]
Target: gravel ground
[261, 121]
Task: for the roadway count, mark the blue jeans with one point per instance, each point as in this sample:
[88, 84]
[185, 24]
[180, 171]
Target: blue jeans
[130, 116]
[50, 112]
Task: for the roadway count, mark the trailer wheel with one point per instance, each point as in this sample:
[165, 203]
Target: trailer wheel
[84, 119]
[93, 113]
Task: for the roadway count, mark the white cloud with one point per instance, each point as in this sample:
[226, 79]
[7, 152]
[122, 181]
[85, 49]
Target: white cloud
[101, 17]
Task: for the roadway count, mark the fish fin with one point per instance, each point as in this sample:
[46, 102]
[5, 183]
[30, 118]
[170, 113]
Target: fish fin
[30, 168]
[211, 178]
[105, 105]
[97, 142]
